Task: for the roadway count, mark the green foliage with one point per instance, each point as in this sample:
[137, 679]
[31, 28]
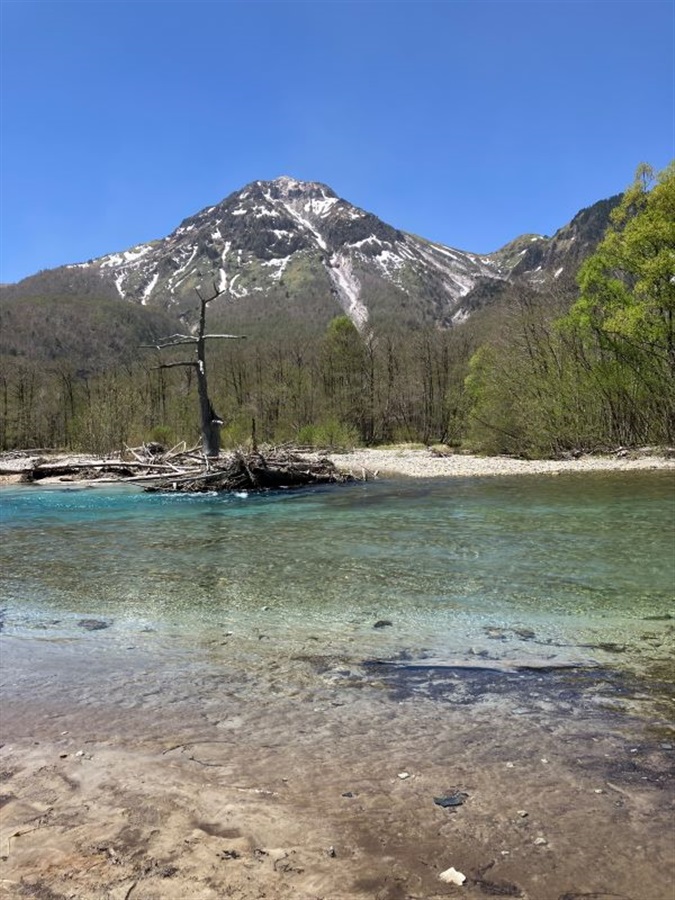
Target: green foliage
[625, 314]
[329, 434]
[162, 434]
[627, 287]
[601, 373]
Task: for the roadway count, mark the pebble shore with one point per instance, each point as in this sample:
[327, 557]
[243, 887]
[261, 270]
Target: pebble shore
[424, 463]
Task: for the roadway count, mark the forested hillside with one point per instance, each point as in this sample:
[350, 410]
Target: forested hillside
[538, 363]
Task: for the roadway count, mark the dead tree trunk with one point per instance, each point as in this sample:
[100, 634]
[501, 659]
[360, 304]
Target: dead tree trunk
[210, 421]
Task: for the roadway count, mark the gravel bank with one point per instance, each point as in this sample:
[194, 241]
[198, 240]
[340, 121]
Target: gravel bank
[423, 463]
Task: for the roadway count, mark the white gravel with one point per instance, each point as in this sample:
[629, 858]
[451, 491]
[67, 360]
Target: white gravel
[423, 463]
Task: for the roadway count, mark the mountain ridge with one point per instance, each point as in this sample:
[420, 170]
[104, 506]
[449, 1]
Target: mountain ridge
[291, 245]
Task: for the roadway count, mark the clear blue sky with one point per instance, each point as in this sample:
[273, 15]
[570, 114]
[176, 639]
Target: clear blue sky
[467, 122]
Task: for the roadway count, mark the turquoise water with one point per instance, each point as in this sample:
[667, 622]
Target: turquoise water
[507, 568]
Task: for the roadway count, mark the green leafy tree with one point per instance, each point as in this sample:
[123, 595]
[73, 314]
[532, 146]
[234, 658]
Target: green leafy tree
[626, 310]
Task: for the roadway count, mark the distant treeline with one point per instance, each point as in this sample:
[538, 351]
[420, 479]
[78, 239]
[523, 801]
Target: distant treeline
[538, 374]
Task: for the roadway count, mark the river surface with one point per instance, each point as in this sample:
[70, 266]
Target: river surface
[310, 669]
[520, 569]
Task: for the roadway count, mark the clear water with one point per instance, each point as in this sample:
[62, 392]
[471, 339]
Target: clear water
[509, 569]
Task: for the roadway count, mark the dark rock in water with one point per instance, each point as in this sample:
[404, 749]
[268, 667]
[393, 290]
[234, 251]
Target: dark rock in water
[525, 633]
[382, 623]
[93, 624]
[456, 799]
[507, 889]
[496, 634]
[607, 647]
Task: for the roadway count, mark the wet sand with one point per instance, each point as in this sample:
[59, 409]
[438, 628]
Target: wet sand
[169, 778]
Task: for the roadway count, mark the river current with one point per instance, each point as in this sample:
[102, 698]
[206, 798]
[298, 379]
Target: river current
[560, 570]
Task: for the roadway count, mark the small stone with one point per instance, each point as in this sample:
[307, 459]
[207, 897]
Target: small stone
[383, 623]
[403, 775]
[523, 813]
[525, 633]
[598, 791]
[93, 624]
[80, 753]
[452, 876]
[544, 760]
[63, 755]
[509, 765]
[540, 841]
[450, 800]
[331, 852]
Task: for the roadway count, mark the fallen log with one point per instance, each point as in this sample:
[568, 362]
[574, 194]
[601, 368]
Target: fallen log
[90, 470]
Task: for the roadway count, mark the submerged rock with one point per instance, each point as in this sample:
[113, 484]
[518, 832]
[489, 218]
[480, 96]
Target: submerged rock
[449, 800]
[93, 624]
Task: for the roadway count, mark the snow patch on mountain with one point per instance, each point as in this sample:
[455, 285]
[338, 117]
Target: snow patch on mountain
[305, 223]
[320, 207]
[278, 264]
[371, 239]
[348, 289]
[149, 288]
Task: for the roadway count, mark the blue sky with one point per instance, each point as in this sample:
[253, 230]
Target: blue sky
[467, 122]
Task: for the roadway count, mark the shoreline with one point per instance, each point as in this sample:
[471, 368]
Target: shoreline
[424, 463]
[367, 464]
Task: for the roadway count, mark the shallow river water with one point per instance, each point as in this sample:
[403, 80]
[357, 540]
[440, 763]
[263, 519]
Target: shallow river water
[521, 569]
[190, 676]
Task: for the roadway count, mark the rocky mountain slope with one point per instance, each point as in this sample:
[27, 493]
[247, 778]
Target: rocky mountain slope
[295, 250]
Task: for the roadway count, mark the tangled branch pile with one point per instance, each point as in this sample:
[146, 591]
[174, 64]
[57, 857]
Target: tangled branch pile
[179, 469]
[255, 472]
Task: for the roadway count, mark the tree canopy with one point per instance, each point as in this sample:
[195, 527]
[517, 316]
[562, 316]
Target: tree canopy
[628, 286]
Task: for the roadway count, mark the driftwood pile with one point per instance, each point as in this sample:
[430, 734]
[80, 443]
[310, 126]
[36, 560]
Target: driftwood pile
[180, 469]
[256, 471]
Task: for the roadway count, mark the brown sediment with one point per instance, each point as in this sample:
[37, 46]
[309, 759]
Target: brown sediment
[316, 778]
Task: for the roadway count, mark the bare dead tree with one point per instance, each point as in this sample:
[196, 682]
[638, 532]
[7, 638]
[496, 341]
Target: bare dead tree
[210, 421]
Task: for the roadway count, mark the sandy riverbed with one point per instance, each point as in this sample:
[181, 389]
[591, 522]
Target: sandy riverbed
[323, 788]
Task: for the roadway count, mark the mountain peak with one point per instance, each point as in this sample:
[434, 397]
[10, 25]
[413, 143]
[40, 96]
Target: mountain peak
[296, 245]
[285, 187]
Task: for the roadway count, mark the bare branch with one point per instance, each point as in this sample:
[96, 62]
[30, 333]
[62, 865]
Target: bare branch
[175, 364]
[174, 340]
[206, 300]
[234, 337]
